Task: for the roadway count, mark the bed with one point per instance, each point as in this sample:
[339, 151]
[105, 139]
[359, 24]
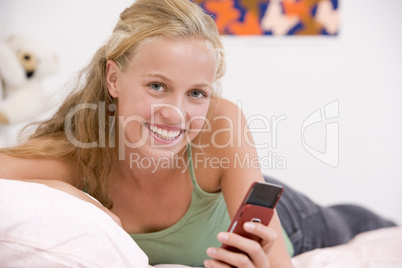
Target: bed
[42, 226]
[374, 249]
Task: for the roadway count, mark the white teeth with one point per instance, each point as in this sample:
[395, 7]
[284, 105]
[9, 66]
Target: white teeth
[163, 133]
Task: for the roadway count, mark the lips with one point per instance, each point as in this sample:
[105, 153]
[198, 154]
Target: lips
[167, 135]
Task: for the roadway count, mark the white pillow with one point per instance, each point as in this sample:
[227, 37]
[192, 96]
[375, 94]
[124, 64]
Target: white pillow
[44, 227]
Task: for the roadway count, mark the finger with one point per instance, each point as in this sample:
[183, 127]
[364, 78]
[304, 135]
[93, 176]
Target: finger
[226, 258]
[242, 243]
[257, 252]
[215, 264]
[267, 234]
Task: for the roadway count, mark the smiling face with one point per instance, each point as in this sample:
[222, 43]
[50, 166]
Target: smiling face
[163, 96]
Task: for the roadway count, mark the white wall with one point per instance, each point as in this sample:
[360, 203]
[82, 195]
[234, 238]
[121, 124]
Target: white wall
[290, 77]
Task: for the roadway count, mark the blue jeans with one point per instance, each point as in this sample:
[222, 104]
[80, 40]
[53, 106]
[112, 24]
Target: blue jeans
[311, 226]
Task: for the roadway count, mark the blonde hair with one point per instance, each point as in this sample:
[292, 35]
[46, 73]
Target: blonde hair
[144, 20]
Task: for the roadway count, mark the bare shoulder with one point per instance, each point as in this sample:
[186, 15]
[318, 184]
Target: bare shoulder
[229, 159]
[218, 143]
[32, 168]
[224, 127]
[220, 125]
[224, 107]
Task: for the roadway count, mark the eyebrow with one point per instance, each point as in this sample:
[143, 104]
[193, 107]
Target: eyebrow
[160, 76]
[157, 76]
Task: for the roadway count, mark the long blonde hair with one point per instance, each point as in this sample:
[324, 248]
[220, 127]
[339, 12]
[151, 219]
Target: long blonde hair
[141, 21]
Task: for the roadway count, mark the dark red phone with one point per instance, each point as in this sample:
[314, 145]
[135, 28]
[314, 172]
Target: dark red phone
[257, 206]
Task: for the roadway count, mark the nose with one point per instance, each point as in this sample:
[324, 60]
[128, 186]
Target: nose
[172, 114]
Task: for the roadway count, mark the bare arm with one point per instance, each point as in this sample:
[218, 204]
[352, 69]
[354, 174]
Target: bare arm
[234, 183]
[16, 168]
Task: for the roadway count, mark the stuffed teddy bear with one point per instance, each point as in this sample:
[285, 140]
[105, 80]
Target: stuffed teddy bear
[24, 62]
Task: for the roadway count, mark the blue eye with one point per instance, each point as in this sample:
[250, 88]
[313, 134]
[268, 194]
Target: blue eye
[198, 94]
[156, 86]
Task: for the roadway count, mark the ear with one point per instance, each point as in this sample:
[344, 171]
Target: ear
[112, 78]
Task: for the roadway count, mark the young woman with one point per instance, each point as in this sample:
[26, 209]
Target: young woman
[149, 138]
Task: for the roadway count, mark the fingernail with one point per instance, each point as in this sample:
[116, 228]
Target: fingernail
[222, 237]
[249, 225]
[211, 252]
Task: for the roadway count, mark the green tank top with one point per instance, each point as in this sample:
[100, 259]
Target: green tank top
[186, 241]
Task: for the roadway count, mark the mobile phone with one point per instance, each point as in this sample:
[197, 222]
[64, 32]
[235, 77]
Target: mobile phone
[257, 206]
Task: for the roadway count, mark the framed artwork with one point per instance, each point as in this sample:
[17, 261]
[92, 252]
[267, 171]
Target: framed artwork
[274, 17]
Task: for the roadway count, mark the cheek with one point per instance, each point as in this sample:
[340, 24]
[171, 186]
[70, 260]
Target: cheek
[198, 119]
[131, 116]
[130, 105]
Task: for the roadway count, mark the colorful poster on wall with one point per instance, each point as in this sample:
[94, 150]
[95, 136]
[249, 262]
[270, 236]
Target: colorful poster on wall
[274, 17]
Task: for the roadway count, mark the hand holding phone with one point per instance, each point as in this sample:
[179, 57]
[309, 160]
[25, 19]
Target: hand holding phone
[258, 206]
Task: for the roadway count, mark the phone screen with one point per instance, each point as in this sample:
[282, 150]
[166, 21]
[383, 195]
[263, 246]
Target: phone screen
[264, 195]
